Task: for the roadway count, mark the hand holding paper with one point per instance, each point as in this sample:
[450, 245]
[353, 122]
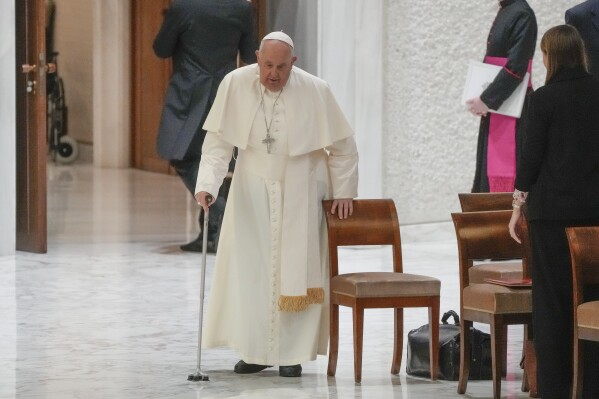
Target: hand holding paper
[480, 76]
[477, 107]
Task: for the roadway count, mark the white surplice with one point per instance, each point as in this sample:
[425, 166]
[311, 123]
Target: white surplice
[243, 311]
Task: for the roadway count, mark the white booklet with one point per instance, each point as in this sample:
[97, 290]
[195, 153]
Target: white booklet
[481, 75]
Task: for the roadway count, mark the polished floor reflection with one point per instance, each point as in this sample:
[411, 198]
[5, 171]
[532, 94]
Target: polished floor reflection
[111, 310]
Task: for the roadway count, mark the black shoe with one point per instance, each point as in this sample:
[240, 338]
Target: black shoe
[290, 371]
[196, 246]
[247, 368]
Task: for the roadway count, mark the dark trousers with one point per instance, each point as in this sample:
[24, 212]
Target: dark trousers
[552, 311]
[187, 169]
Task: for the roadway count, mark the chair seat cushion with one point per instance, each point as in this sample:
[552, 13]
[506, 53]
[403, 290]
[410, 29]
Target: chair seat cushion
[588, 315]
[497, 299]
[385, 284]
[503, 270]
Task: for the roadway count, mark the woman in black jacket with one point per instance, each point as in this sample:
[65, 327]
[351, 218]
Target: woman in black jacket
[558, 178]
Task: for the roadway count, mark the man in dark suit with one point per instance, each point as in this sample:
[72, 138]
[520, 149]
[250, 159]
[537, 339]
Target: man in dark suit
[203, 38]
[585, 18]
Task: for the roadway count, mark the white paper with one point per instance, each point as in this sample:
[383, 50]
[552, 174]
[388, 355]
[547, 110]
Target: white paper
[481, 75]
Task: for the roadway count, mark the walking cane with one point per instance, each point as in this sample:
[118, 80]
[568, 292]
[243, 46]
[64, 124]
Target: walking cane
[199, 375]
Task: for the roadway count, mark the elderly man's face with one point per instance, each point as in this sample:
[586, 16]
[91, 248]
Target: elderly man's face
[275, 61]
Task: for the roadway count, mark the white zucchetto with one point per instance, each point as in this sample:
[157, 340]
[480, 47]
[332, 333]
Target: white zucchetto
[279, 35]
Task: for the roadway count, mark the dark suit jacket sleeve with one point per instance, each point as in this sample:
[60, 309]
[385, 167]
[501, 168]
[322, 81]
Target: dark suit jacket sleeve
[571, 18]
[248, 43]
[175, 23]
[538, 122]
[523, 38]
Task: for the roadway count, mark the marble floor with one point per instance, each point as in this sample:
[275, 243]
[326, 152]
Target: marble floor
[111, 310]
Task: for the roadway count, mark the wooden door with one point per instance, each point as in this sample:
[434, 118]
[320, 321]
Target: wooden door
[31, 125]
[150, 76]
[260, 6]
[150, 79]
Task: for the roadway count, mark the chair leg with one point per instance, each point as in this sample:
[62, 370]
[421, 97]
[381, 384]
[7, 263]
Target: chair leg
[465, 326]
[398, 341]
[433, 345]
[358, 312]
[530, 362]
[333, 339]
[497, 330]
[504, 352]
[525, 387]
[578, 367]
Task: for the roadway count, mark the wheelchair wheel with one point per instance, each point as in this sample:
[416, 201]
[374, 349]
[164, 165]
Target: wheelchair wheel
[67, 150]
[57, 122]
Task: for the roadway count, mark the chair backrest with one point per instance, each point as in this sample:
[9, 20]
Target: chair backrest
[485, 235]
[476, 202]
[584, 252]
[373, 222]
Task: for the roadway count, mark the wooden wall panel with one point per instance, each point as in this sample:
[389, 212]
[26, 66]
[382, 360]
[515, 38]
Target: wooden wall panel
[150, 76]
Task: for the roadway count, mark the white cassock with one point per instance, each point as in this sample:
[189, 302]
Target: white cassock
[269, 292]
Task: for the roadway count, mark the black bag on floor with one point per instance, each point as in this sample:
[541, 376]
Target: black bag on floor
[418, 363]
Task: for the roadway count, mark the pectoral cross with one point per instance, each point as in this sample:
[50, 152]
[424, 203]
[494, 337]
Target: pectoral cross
[268, 141]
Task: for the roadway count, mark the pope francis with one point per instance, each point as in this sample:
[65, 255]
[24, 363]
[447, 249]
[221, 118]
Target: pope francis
[269, 293]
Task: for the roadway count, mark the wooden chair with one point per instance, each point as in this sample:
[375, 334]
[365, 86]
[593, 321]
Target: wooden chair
[375, 222]
[484, 235]
[584, 251]
[479, 202]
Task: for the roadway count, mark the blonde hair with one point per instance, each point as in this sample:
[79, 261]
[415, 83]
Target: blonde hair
[563, 47]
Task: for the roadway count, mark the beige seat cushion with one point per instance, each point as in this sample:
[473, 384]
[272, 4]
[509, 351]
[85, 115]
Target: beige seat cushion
[503, 270]
[588, 315]
[385, 284]
[497, 299]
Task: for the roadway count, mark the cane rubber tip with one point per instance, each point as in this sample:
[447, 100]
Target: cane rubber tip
[197, 377]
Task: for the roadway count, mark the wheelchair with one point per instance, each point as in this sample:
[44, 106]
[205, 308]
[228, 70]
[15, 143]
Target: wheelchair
[61, 148]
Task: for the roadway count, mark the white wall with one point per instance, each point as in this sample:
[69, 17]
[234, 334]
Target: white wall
[111, 83]
[92, 37]
[429, 141]
[7, 128]
[73, 39]
[299, 19]
[351, 61]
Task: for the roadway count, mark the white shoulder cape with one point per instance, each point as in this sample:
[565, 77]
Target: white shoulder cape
[314, 118]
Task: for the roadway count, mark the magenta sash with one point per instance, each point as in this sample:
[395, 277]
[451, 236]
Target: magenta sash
[501, 147]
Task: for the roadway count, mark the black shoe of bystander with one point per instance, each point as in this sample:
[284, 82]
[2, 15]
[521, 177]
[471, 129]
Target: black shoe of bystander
[248, 368]
[196, 246]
